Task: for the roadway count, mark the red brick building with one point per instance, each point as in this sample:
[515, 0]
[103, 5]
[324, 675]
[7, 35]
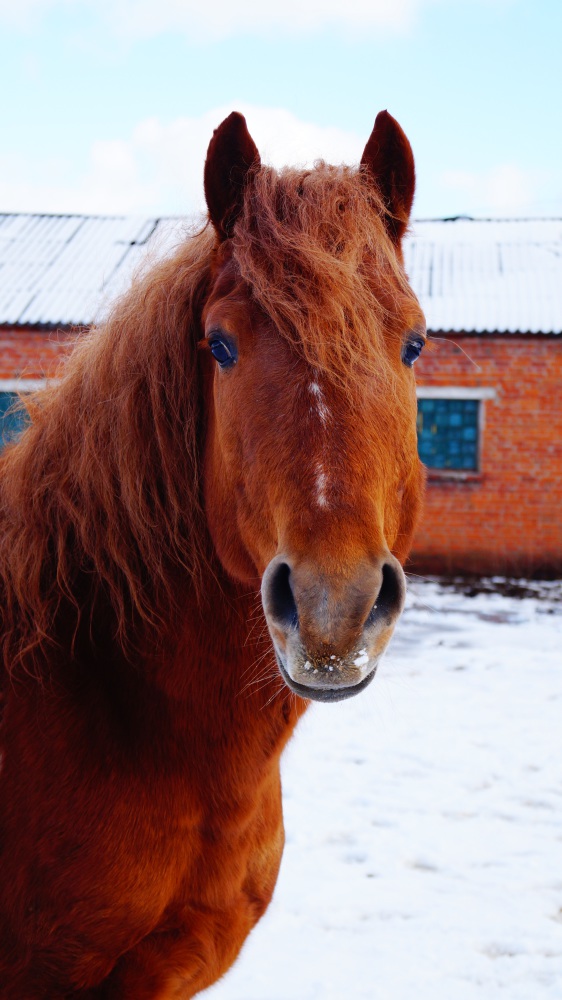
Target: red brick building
[489, 382]
[492, 295]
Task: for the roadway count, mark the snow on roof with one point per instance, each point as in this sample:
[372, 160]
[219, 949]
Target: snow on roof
[474, 275]
[488, 275]
[65, 269]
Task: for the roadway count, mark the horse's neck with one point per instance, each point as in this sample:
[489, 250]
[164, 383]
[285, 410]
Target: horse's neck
[225, 698]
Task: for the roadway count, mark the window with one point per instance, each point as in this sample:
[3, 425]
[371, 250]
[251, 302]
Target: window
[13, 419]
[450, 422]
[448, 433]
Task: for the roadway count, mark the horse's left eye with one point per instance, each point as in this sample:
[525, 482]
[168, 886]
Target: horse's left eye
[411, 352]
[223, 351]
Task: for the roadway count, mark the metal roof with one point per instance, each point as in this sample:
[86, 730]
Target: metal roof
[488, 275]
[66, 269]
[470, 275]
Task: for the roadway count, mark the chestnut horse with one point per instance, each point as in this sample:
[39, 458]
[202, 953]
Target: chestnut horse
[245, 419]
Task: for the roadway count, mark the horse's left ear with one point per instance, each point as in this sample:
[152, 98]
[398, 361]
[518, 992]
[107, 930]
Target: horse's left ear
[389, 159]
[231, 154]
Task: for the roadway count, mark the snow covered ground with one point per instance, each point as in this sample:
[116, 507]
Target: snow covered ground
[424, 819]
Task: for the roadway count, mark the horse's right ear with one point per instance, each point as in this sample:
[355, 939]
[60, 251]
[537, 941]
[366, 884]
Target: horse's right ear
[389, 160]
[231, 154]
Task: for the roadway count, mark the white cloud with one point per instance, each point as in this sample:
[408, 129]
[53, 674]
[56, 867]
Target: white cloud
[222, 18]
[110, 185]
[505, 189]
[25, 13]
[159, 168]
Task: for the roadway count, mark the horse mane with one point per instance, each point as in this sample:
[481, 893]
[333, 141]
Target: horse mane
[104, 486]
[308, 243]
[100, 500]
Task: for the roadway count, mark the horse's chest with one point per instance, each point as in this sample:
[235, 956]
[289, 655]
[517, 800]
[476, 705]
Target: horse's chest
[119, 861]
[111, 850]
[239, 855]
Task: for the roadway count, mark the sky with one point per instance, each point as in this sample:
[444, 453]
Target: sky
[108, 105]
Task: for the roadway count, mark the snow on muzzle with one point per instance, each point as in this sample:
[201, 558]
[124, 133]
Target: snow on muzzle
[329, 631]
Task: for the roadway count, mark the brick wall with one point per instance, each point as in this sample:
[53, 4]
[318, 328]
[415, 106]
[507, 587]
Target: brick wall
[508, 518]
[31, 353]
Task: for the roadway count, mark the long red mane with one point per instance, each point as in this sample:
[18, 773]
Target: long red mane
[95, 490]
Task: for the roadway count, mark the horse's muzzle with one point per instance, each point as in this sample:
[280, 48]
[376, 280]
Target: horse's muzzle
[329, 631]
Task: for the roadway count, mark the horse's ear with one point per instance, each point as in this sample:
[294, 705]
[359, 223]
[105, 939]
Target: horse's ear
[231, 154]
[389, 159]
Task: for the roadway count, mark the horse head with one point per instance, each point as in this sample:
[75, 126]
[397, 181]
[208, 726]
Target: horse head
[312, 477]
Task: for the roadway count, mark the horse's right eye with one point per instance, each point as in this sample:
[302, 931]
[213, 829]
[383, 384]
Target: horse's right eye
[224, 351]
[411, 352]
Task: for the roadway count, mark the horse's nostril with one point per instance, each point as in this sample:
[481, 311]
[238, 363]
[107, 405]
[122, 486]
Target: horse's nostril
[281, 601]
[390, 598]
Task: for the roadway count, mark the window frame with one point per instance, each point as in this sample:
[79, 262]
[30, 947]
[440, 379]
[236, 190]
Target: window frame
[478, 393]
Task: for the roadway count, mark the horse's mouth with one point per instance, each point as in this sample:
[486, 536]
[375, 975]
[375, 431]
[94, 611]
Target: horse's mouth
[325, 693]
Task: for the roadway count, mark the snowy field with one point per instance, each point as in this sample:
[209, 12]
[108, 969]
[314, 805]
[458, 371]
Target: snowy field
[424, 819]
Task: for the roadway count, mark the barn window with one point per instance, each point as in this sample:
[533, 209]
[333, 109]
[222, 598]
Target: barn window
[448, 433]
[12, 418]
[450, 422]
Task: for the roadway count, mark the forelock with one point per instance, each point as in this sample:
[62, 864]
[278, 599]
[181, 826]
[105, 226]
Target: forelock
[313, 249]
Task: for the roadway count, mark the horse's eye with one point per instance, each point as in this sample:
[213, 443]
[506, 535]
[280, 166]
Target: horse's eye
[411, 352]
[223, 351]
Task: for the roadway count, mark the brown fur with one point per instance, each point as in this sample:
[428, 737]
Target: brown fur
[140, 815]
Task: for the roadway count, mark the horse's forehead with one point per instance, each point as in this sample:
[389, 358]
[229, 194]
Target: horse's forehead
[283, 307]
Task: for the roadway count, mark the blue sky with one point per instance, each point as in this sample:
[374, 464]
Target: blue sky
[108, 105]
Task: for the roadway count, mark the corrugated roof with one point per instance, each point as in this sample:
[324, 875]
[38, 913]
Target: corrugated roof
[473, 275]
[488, 275]
[65, 269]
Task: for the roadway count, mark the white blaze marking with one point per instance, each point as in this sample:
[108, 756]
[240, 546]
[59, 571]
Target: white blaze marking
[323, 412]
[321, 484]
[321, 408]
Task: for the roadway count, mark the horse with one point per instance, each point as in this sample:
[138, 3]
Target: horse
[202, 530]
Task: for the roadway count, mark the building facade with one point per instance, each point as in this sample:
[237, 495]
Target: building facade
[496, 505]
[489, 379]
[489, 395]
